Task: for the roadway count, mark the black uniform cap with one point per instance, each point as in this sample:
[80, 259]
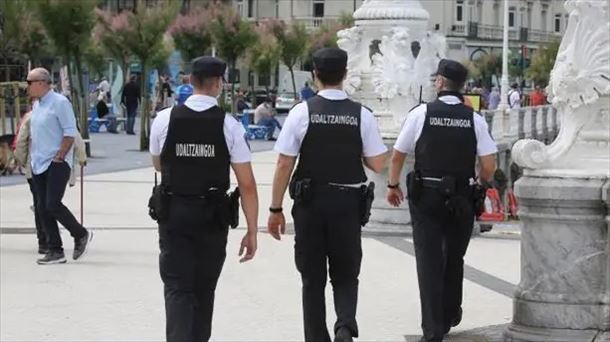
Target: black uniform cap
[452, 70]
[330, 60]
[208, 66]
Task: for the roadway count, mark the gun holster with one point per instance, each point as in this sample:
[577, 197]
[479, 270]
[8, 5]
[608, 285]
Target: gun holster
[368, 195]
[233, 208]
[158, 204]
[414, 186]
[300, 190]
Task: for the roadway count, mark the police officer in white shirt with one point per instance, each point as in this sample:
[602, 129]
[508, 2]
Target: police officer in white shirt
[334, 138]
[445, 137]
[193, 145]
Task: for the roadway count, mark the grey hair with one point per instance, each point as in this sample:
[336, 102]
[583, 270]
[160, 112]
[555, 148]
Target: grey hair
[42, 73]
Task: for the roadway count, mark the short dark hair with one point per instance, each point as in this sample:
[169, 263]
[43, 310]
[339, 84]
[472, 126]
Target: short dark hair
[453, 85]
[330, 78]
[200, 81]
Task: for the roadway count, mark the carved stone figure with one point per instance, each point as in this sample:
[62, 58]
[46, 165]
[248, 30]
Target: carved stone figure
[579, 87]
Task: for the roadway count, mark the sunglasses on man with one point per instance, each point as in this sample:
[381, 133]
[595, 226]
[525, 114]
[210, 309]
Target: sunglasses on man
[29, 82]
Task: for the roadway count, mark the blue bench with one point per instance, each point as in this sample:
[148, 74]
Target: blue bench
[96, 123]
[253, 132]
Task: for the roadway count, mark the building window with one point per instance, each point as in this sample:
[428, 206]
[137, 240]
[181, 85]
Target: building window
[240, 8]
[125, 5]
[318, 8]
[250, 8]
[497, 12]
[557, 22]
[459, 11]
[511, 17]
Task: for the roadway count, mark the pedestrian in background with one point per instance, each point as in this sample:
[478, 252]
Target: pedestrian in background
[53, 130]
[537, 97]
[514, 96]
[494, 98]
[184, 90]
[264, 115]
[22, 154]
[167, 98]
[131, 100]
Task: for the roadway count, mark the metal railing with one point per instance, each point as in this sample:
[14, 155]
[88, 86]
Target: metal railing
[476, 30]
[315, 22]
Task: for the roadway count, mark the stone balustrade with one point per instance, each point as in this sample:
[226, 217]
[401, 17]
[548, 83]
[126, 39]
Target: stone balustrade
[506, 127]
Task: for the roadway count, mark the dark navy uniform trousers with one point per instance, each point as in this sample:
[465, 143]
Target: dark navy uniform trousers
[440, 240]
[193, 251]
[327, 232]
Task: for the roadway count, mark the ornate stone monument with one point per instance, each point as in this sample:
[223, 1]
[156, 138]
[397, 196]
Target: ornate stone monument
[564, 293]
[391, 56]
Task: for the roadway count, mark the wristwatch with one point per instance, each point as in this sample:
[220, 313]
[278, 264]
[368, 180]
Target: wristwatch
[275, 210]
[393, 186]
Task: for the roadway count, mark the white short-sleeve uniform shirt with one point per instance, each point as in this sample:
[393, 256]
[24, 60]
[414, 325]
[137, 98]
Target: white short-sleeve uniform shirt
[234, 132]
[295, 127]
[413, 126]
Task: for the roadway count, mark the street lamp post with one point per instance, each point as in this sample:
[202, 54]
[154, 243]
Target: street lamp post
[504, 82]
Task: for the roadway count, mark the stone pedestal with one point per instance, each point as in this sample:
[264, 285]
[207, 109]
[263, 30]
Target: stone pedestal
[385, 218]
[565, 277]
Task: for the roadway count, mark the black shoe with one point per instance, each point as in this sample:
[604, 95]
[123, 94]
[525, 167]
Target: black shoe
[343, 335]
[43, 250]
[271, 139]
[80, 245]
[52, 258]
[458, 319]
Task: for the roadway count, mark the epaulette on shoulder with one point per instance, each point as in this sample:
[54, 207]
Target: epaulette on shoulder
[417, 105]
[294, 105]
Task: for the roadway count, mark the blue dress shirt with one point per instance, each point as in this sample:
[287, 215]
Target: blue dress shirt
[52, 120]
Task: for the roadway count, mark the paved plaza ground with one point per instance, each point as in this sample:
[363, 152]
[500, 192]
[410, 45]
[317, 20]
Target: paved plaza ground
[115, 293]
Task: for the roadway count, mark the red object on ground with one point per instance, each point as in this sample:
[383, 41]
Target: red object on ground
[494, 211]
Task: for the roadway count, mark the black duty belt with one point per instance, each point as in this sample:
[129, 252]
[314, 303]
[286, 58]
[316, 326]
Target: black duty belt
[435, 183]
[342, 187]
[215, 194]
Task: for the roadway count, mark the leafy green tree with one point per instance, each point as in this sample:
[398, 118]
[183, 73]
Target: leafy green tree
[144, 38]
[542, 63]
[112, 34]
[264, 56]
[10, 10]
[485, 67]
[22, 36]
[191, 32]
[232, 37]
[68, 24]
[95, 60]
[294, 43]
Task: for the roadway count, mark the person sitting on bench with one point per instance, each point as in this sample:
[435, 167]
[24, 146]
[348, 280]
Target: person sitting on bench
[264, 115]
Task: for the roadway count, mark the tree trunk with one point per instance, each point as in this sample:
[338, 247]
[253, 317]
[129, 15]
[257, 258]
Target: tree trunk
[231, 73]
[83, 106]
[144, 117]
[294, 85]
[73, 95]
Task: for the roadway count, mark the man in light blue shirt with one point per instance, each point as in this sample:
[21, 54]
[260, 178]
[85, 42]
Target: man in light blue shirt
[53, 128]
